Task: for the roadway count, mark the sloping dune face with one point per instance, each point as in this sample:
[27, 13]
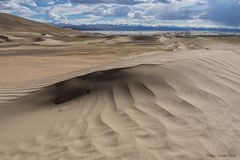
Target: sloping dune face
[183, 107]
[14, 23]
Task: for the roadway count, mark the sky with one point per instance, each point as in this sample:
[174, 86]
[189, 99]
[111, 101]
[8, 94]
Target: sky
[192, 13]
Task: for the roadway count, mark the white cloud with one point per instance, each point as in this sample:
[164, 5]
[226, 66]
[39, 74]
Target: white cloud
[136, 14]
[31, 3]
[17, 6]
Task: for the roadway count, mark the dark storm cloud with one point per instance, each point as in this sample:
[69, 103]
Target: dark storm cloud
[224, 11]
[179, 15]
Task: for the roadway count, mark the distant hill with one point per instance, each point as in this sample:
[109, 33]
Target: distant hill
[11, 23]
[109, 27]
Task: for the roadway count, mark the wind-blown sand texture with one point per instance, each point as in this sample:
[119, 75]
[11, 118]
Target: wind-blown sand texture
[67, 95]
[159, 106]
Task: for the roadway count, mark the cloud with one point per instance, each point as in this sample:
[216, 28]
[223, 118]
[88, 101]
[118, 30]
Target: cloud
[127, 2]
[136, 14]
[145, 12]
[224, 11]
[121, 11]
[21, 7]
[177, 10]
[110, 11]
[185, 13]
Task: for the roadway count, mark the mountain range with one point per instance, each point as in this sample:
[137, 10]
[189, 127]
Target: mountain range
[125, 27]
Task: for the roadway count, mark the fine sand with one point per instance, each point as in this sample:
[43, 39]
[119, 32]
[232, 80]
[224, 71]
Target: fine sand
[68, 95]
[158, 106]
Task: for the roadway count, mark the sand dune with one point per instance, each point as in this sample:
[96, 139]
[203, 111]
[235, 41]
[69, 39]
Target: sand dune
[11, 23]
[182, 106]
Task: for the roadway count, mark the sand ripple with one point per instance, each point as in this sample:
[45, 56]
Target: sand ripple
[183, 107]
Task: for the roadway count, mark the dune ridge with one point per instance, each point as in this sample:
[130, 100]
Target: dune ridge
[12, 23]
[158, 106]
